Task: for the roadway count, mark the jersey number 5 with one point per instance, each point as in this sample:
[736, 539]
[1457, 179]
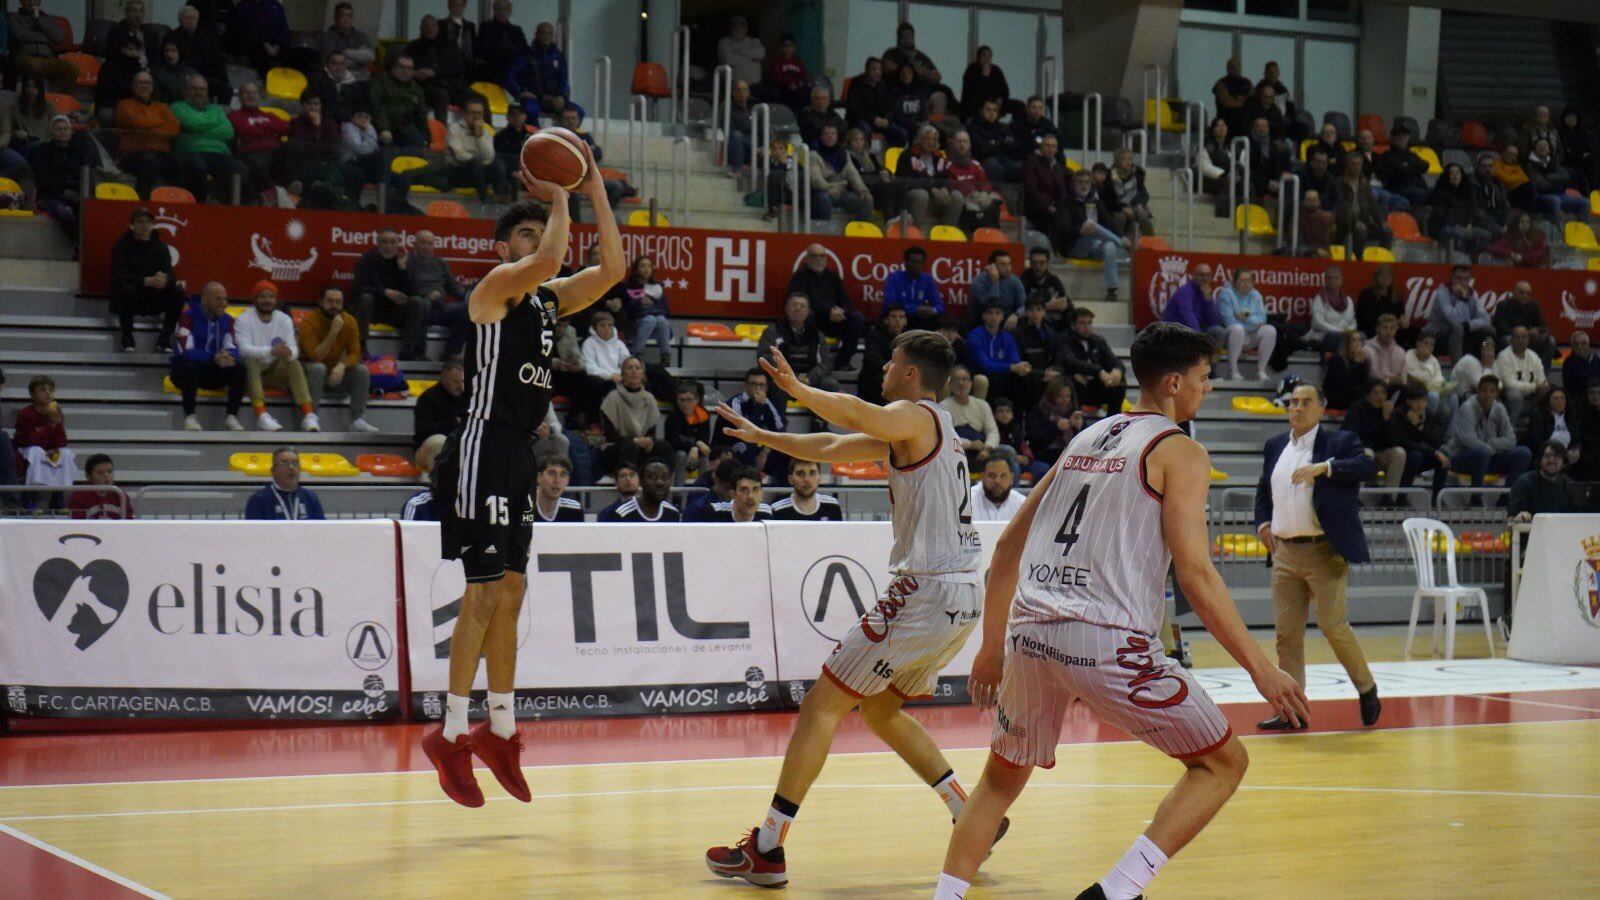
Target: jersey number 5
[1068, 534]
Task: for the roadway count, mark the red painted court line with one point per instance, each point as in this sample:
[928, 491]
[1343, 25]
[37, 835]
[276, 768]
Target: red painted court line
[32, 872]
[354, 749]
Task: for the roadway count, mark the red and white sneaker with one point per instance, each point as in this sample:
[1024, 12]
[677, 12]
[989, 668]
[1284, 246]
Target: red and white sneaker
[743, 860]
[503, 756]
[453, 759]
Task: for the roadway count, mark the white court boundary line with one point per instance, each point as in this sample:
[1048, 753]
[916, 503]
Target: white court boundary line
[771, 756]
[82, 863]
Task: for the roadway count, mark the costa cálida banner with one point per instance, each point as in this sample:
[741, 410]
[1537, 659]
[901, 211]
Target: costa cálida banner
[1569, 298]
[718, 274]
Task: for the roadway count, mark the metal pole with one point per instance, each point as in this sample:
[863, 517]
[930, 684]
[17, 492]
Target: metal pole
[1192, 180]
[1052, 84]
[1178, 173]
[1195, 110]
[681, 201]
[683, 77]
[638, 115]
[674, 57]
[1092, 121]
[602, 99]
[1130, 138]
[802, 197]
[1239, 157]
[722, 99]
[1285, 195]
[760, 137]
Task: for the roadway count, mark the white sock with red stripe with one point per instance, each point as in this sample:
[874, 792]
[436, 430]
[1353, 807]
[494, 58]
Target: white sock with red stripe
[1135, 870]
[775, 827]
[951, 792]
[950, 888]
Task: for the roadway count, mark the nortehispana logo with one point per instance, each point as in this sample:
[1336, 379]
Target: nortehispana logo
[95, 593]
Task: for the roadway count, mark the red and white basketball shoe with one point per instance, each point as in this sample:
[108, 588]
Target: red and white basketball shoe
[503, 756]
[743, 860]
[453, 759]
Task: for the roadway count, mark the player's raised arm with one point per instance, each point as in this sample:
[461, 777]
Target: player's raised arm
[1181, 470]
[901, 420]
[820, 447]
[582, 288]
[510, 281]
[1001, 586]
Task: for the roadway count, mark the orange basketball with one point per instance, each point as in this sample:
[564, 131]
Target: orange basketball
[555, 155]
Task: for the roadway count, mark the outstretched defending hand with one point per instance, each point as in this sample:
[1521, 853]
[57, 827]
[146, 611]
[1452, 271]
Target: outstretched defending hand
[781, 373]
[983, 685]
[740, 428]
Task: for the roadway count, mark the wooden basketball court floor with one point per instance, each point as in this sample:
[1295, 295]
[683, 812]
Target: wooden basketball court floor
[1463, 790]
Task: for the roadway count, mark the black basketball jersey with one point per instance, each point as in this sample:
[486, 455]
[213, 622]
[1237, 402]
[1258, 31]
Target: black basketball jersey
[828, 510]
[508, 364]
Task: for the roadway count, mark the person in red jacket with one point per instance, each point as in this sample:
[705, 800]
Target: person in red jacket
[787, 80]
[105, 503]
[968, 178]
[257, 135]
[1044, 186]
[39, 424]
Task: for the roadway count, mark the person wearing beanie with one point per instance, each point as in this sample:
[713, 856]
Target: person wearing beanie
[271, 355]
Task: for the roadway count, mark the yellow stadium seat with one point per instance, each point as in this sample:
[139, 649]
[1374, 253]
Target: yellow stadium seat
[495, 95]
[415, 386]
[7, 186]
[891, 158]
[327, 465]
[1376, 254]
[403, 164]
[1594, 263]
[1072, 164]
[277, 112]
[860, 229]
[1159, 112]
[115, 190]
[382, 328]
[1581, 237]
[251, 463]
[1127, 405]
[1428, 156]
[1304, 146]
[750, 331]
[947, 233]
[285, 83]
[1594, 203]
[640, 218]
[167, 387]
[1258, 406]
[1254, 219]
[1218, 475]
[1076, 263]
[1336, 251]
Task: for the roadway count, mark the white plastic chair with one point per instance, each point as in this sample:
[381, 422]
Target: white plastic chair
[1420, 535]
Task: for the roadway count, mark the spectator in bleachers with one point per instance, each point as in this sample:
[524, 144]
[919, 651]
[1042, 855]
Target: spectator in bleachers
[1380, 298]
[1097, 375]
[312, 157]
[57, 165]
[201, 47]
[972, 417]
[105, 502]
[745, 505]
[797, 335]
[1577, 148]
[779, 191]
[1555, 420]
[30, 114]
[1414, 428]
[460, 31]
[1538, 127]
[739, 126]
[509, 139]
[550, 502]
[1232, 91]
[258, 35]
[690, 428]
[1580, 366]
[1522, 244]
[543, 84]
[1520, 309]
[913, 290]
[949, 327]
[1471, 368]
[741, 51]
[1014, 439]
[549, 438]
[1263, 104]
[755, 406]
[977, 201]
[1316, 227]
[284, 498]
[1545, 489]
[1318, 175]
[441, 68]
[433, 281]
[905, 54]
[205, 136]
[1039, 281]
[271, 356]
[443, 406]
[1482, 439]
[1402, 172]
[1032, 127]
[1129, 197]
[651, 504]
[398, 105]
[924, 178]
[879, 340]
[996, 285]
[647, 306]
[994, 143]
[40, 424]
[1044, 187]
[1367, 419]
[1269, 162]
[1454, 216]
[1193, 305]
[384, 291]
[1332, 314]
[632, 421]
[869, 105]
[1359, 220]
[1515, 180]
[995, 355]
[1347, 371]
[818, 113]
[804, 504]
[33, 37]
[1036, 341]
[1457, 315]
[206, 355]
[1521, 374]
[342, 37]
[362, 148]
[1491, 195]
[330, 353]
[993, 500]
[1271, 77]
[142, 283]
[981, 82]
[1586, 406]
[1243, 315]
[470, 142]
[786, 80]
[500, 42]
[626, 479]
[338, 87]
[1551, 180]
[1053, 422]
[830, 305]
[258, 136]
[832, 166]
[170, 72]
[908, 97]
[1211, 163]
[1081, 232]
[1329, 142]
[114, 82]
[603, 353]
[1424, 372]
[1386, 358]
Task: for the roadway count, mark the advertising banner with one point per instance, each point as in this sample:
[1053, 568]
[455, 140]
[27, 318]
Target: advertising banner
[112, 619]
[1569, 298]
[824, 578]
[1558, 602]
[719, 274]
[617, 620]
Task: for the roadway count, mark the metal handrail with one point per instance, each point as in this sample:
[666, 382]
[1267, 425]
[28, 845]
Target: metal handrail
[66, 493]
[680, 202]
[1052, 84]
[1128, 140]
[680, 57]
[1237, 160]
[1284, 195]
[1186, 177]
[1196, 111]
[1154, 89]
[602, 99]
[760, 137]
[638, 115]
[801, 171]
[1097, 122]
[722, 99]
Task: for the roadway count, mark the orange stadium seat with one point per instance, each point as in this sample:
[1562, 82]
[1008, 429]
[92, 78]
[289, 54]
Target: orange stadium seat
[711, 331]
[436, 135]
[910, 232]
[1405, 229]
[387, 464]
[447, 209]
[988, 235]
[650, 79]
[1474, 135]
[65, 104]
[88, 68]
[1154, 242]
[168, 194]
[861, 471]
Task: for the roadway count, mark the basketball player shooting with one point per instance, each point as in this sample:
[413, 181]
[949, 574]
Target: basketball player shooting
[925, 615]
[483, 480]
[1126, 500]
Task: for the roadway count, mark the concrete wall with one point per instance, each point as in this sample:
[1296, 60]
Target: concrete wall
[1398, 59]
[1108, 43]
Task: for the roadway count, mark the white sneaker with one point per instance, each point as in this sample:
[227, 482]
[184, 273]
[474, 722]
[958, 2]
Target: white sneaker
[1266, 376]
[232, 424]
[310, 423]
[363, 425]
[1233, 375]
[266, 422]
[190, 423]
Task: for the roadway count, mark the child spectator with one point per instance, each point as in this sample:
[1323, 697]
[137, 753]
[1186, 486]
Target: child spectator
[106, 502]
[603, 353]
[690, 428]
[647, 307]
[40, 424]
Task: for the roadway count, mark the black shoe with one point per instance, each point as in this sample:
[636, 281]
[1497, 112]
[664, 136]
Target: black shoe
[1371, 706]
[1277, 723]
[1096, 892]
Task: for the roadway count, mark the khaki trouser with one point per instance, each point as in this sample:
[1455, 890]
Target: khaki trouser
[1307, 573]
[278, 373]
[1392, 460]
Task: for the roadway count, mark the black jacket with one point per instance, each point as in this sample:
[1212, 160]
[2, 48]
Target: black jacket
[437, 412]
[977, 87]
[498, 46]
[682, 436]
[58, 171]
[1037, 345]
[992, 139]
[374, 274]
[1400, 170]
[824, 289]
[1509, 313]
[1091, 356]
[1367, 424]
[867, 101]
[1028, 134]
[1369, 307]
[1425, 438]
[339, 101]
[133, 260]
[202, 49]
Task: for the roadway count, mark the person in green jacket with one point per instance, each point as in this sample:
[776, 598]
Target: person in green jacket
[204, 142]
[399, 108]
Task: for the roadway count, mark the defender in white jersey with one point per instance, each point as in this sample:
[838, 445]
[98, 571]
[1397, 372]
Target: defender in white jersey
[923, 618]
[1125, 500]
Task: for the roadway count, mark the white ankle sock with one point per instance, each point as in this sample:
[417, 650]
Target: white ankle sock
[950, 791]
[455, 716]
[775, 827]
[503, 713]
[1134, 871]
[950, 888]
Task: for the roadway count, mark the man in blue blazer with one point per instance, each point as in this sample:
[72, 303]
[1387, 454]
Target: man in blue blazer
[1307, 515]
